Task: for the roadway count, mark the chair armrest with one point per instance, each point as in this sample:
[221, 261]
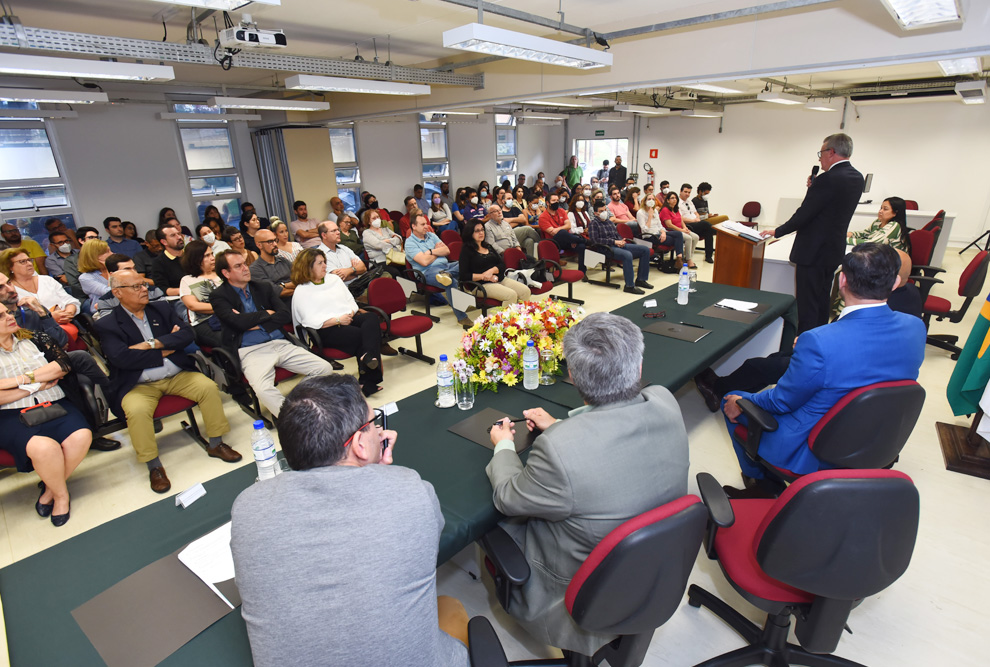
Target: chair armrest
[758, 420]
[603, 249]
[484, 647]
[202, 364]
[505, 555]
[472, 287]
[291, 337]
[927, 280]
[719, 509]
[383, 316]
[928, 271]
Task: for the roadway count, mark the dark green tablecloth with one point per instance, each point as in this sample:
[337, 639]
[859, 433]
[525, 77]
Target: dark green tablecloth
[39, 592]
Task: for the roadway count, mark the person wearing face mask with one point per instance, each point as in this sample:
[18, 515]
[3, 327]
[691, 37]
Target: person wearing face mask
[554, 223]
[533, 213]
[665, 187]
[516, 212]
[474, 208]
[578, 214]
[445, 197]
[670, 216]
[701, 203]
[560, 189]
[484, 191]
[206, 234]
[60, 249]
[439, 214]
[603, 232]
[378, 239]
[653, 231]
[370, 201]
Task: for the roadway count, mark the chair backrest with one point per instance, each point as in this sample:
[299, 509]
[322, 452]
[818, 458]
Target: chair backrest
[937, 221]
[624, 231]
[840, 534]
[395, 215]
[449, 236]
[634, 580]
[386, 293]
[922, 247]
[910, 205]
[513, 258]
[751, 209]
[974, 275]
[455, 251]
[404, 229]
[869, 426]
[548, 250]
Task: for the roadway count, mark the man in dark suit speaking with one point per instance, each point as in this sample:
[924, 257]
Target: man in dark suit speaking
[821, 223]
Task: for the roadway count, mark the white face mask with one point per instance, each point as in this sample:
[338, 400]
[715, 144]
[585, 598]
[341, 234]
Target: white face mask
[65, 248]
[650, 203]
[474, 200]
[604, 215]
[665, 190]
[704, 197]
[376, 222]
[210, 238]
[579, 205]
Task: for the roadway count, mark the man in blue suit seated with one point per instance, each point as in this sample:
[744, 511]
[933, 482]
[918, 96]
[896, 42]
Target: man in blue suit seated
[868, 343]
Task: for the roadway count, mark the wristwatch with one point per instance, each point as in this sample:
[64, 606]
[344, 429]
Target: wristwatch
[151, 343]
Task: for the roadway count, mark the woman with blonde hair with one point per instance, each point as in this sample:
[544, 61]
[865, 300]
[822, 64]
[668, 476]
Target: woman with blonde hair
[19, 267]
[93, 275]
[286, 247]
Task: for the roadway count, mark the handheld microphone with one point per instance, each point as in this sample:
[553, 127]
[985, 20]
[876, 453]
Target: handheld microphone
[814, 171]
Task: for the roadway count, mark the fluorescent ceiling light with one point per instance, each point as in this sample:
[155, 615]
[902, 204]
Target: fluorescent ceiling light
[701, 113]
[16, 63]
[344, 85]
[511, 44]
[781, 98]
[911, 14]
[50, 96]
[31, 114]
[207, 117]
[224, 5]
[271, 105]
[612, 118]
[454, 112]
[972, 92]
[560, 102]
[711, 88]
[821, 105]
[960, 66]
[645, 111]
[535, 115]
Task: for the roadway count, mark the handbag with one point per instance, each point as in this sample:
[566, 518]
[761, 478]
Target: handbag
[396, 256]
[41, 413]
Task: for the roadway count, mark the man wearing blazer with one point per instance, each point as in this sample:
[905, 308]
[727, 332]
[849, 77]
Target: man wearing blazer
[623, 453]
[821, 223]
[868, 343]
[144, 343]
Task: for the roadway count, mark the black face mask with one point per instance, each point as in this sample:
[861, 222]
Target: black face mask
[554, 206]
[373, 204]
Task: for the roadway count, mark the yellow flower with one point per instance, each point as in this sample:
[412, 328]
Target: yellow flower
[511, 379]
[511, 330]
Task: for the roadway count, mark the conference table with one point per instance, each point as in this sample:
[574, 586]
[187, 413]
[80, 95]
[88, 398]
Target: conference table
[39, 592]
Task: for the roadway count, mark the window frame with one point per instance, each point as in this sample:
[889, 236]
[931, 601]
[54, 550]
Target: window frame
[211, 197]
[357, 185]
[511, 126]
[432, 183]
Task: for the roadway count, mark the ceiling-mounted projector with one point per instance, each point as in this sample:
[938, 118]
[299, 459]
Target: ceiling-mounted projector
[252, 38]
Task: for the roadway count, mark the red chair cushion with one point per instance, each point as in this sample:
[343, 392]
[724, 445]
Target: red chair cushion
[169, 405]
[737, 554]
[7, 459]
[282, 374]
[936, 304]
[968, 272]
[411, 325]
[542, 289]
[751, 209]
[604, 548]
[334, 353]
[570, 275]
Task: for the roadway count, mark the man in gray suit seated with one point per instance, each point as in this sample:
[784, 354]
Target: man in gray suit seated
[621, 454]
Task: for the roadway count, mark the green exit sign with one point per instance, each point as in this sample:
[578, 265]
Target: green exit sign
[599, 133]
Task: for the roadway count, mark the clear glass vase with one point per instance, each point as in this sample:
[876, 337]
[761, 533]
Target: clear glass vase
[546, 360]
[464, 391]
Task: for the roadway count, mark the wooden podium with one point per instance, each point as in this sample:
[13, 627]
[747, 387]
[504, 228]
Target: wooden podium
[738, 260]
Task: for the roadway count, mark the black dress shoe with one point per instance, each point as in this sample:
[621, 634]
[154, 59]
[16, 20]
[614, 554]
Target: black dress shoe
[388, 350]
[705, 381]
[42, 509]
[630, 289]
[105, 444]
[59, 520]
[643, 284]
[709, 260]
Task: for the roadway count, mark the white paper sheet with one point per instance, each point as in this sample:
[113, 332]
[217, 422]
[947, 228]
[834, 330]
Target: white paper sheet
[209, 558]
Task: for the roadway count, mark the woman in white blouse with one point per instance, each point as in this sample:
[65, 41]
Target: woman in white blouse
[286, 247]
[322, 302]
[53, 448]
[18, 266]
[195, 289]
[378, 240]
[648, 217]
[206, 234]
[577, 213]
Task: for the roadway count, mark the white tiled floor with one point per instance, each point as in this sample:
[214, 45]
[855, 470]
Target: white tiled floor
[930, 617]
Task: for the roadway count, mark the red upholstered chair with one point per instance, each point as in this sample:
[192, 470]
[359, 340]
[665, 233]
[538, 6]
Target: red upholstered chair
[910, 205]
[310, 338]
[449, 236]
[170, 405]
[970, 285]
[513, 259]
[550, 253]
[937, 221]
[455, 250]
[629, 585]
[866, 428]
[750, 210]
[385, 295]
[833, 538]
[395, 216]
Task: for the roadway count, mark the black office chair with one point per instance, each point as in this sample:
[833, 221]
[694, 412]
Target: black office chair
[866, 428]
[833, 538]
[629, 585]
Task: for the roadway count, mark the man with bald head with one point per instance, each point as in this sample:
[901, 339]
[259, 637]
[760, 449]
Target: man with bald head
[339, 212]
[271, 266]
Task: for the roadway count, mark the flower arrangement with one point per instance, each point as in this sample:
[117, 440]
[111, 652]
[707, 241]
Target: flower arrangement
[494, 346]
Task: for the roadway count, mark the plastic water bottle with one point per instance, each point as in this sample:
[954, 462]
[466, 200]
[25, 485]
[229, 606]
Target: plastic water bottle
[531, 366]
[683, 286]
[445, 384]
[264, 451]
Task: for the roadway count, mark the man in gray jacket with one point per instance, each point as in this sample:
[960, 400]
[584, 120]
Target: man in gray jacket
[335, 560]
[623, 453]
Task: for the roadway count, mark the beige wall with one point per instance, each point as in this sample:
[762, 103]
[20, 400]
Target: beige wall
[311, 168]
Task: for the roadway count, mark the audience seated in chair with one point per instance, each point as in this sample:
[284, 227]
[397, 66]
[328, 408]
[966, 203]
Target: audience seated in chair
[71, 264]
[482, 264]
[93, 275]
[869, 343]
[623, 453]
[702, 205]
[379, 239]
[304, 228]
[604, 233]
[59, 249]
[692, 220]
[555, 225]
[19, 269]
[428, 256]
[117, 240]
[144, 344]
[166, 269]
[271, 266]
[195, 289]
[144, 259]
[252, 317]
[342, 503]
[108, 301]
[341, 260]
